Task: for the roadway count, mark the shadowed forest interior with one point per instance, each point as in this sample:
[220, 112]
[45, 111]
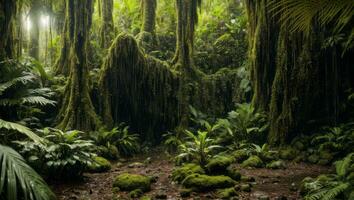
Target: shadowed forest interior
[176, 99]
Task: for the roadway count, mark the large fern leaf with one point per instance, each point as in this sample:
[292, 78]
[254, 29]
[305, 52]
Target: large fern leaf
[16, 177]
[19, 128]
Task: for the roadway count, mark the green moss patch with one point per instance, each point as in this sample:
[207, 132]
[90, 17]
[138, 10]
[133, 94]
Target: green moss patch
[130, 182]
[253, 161]
[279, 164]
[219, 164]
[201, 182]
[226, 193]
[100, 165]
[240, 155]
[180, 173]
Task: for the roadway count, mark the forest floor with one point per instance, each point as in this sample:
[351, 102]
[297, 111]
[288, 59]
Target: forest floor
[276, 184]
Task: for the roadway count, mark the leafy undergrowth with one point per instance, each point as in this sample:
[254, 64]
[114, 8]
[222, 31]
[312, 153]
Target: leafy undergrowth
[271, 183]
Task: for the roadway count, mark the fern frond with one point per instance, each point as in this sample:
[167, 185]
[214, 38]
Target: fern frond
[16, 177]
[19, 128]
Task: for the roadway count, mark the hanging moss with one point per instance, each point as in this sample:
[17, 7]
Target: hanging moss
[293, 77]
[146, 93]
[77, 111]
[137, 88]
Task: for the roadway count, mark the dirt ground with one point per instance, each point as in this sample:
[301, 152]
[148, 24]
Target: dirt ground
[276, 184]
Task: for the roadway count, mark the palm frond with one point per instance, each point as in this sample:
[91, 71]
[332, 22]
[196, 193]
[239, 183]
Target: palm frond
[11, 126]
[16, 177]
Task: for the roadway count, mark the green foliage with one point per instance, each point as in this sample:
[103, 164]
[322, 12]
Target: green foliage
[338, 140]
[126, 142]
[300, 15]
[20, 181]
[331, 187]
[62, 154]
[244, 125]
[198, 147]
[22, 93]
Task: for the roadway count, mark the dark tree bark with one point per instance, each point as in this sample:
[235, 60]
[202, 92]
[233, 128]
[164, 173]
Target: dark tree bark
[149, 16]
[62, 64]
[34, 15]
[77, 111]
[7, 15]
[107, 26]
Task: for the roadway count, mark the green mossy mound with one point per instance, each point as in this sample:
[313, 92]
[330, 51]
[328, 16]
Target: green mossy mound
[130, 182]
[253, 161]
[180, 173]
[226, 193]
[314, 158]
[200, 182]
[240, 155]
[100, 165]
[279, 164]
[233, 173]
[219, 164]
[136, 193]
[287, 153]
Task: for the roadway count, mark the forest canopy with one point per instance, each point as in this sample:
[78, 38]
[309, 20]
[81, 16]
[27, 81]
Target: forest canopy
[204, 94]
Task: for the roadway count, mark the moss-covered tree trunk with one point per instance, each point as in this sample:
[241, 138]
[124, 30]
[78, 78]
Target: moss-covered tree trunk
[263, 32]
[62, 64]
[77, 111]
[293, 77]
[34, 15]
[149, 16]
[107, 26]
[7, 15]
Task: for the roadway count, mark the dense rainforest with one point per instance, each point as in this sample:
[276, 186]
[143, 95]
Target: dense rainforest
[176, 99]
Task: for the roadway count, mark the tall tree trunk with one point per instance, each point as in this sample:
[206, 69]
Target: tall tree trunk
[7, 15]
[107, 26]
[262, 52]
[34, 15]
[62, 64]
[149, 16]
[77, 111]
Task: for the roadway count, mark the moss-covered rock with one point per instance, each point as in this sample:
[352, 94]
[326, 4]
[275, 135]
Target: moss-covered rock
[145, 198]
[313, 158]
[253, 161]
[270, 156]
[246, 187]
[233, 173]
[185, 192]
[136, 193]
[100, 164]
[279, 164]
[247, 179]
[130, 182]
[287, 153]
[201, 182]
[325, 158]
[240, 155]
[180, 173]
[219, 164]
[226, 193]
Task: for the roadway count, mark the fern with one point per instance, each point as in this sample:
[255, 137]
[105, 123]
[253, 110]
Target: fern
[16, 177]
[11, 126]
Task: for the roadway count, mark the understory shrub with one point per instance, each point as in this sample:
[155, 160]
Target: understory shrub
[61, 155]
